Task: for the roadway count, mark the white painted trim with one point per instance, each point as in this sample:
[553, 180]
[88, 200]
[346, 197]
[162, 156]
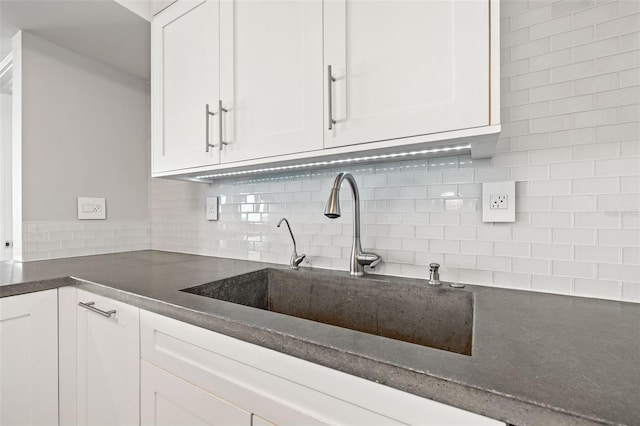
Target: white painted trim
[494, 75]
[6, 74]
[16, 147]
[141, 8]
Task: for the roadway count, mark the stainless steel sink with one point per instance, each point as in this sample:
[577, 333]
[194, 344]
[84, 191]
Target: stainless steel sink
[439, 318]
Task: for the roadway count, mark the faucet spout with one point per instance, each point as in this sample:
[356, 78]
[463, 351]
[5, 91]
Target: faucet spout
[358, 258]
[295, 260]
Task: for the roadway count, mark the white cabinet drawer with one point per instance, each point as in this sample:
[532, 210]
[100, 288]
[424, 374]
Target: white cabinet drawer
[280, 388]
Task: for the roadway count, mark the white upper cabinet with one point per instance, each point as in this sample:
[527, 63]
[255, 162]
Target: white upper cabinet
[404, 68]
[271, 73]
[405, 74]
[184, 81]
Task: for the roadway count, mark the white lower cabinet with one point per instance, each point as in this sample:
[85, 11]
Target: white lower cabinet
[275, 388]
[169, 400]
[99, 360]
[29, 359]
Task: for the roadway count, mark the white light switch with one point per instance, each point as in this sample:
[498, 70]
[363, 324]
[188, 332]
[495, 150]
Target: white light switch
[92, 208]
[499, 201]
[212, 208]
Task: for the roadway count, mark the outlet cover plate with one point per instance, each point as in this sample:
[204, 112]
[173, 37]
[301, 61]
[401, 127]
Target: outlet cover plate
[92, 208]
[499, 201]
[211, 208]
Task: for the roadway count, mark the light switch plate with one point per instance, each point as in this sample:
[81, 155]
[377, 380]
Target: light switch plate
[212, 208]
[92, 208]
[499, 201]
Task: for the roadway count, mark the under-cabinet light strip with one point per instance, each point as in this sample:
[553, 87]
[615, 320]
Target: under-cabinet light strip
[394, 155]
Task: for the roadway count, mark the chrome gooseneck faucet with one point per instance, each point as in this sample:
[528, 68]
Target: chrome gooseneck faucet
[295, 260]
[359, 258]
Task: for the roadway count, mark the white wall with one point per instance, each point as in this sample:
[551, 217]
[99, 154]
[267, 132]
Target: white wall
[83, 131]
[5, 175]
[571, 95]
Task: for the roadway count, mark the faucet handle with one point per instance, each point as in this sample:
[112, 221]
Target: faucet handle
[297, 260]
[369, 258]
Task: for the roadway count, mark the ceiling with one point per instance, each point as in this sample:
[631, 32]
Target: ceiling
[100, 29]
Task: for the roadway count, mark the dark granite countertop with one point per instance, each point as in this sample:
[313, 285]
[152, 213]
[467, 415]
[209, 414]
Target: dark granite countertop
[537, 359]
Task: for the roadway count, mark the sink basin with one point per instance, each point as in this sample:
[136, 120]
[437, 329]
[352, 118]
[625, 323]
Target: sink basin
[440, 318]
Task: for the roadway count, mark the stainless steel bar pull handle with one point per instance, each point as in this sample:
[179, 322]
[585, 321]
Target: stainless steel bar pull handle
[208, 114]
[89, 306]
[220, 111]
[330, 80]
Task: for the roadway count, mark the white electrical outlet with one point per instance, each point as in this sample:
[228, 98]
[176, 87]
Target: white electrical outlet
[211, 209]
[499, 201]
[92, 208]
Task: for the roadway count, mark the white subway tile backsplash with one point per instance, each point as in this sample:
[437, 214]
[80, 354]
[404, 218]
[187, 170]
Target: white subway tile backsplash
[531, 79]
[512, 280]
[629, 78]
[50, 240]
[476, 247]
[550, 60]
[532, 266]
[623, 25]
[622, 61]
[618, 167]
[551, 91]
[460, 260]
[550, 187]
[598, 83]
[530, 17]
[618, 132]
[630, 41]
[552, 219]
[573, 269]
[551, 251]
[597, 254]
[598, 288]
[571, 38]
[619, 237]
[494, 263]
[444, 246]
[530, 173]
[631, 256]
[592, 16]
[573, 203]
[573, 236]
[630, 292]
[630, 184]
[552, 284]
[619, 203]
[595, 185]
[550, 27]
[599, 219]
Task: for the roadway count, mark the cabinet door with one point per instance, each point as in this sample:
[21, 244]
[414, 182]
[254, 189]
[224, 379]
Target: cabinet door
[169, 400]
[108, 363]
[271, 77]
[29, 359]
[184, 80]
[405, 68]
